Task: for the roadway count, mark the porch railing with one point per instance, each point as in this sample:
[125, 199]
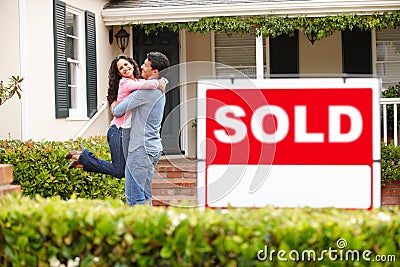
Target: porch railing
[385, 102]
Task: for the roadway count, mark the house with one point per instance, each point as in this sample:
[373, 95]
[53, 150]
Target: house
[64, 48]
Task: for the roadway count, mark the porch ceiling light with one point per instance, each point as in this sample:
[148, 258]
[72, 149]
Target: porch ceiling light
[122, 37]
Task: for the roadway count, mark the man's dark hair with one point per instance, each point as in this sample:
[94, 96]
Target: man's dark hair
[158, 60]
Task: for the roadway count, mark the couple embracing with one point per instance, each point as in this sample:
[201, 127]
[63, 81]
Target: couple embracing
[134, 134]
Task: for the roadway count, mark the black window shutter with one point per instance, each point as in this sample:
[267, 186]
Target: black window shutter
[91, 64]
[357, 52]
[60, 60]
[284, 54]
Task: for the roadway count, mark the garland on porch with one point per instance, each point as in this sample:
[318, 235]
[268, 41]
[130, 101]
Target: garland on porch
[270, 26]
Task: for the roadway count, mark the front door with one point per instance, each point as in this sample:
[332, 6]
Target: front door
[167, 43]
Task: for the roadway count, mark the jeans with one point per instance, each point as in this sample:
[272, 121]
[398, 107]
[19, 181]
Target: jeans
[139, 173]
[118, 140]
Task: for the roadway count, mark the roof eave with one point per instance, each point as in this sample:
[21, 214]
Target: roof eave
[312, 8]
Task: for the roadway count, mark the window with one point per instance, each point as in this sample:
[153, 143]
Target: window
[75, 62]
[75, 44]
[388, 56]
[236, 51]
[239, 52]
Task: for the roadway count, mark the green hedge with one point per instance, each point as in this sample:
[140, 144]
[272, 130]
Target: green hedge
[41, 169]
[42, 230]
[51, 232]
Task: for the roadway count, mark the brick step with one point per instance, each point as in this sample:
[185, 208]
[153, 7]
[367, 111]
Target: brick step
[182, 164]
[174, 187]
[176, 168]
[177, 200]
[175, 183]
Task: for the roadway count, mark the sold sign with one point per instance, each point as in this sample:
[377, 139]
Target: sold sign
[287, 142]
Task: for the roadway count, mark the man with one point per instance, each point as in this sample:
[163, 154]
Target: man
[145, 146]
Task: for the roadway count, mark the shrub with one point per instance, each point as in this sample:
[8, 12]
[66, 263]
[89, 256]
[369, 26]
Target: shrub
[107, 233]
[390, 165]
[41, 169]
[13, 87]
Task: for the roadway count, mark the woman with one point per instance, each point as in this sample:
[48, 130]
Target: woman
[123, 78]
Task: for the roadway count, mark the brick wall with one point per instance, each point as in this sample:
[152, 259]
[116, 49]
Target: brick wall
[6, 177]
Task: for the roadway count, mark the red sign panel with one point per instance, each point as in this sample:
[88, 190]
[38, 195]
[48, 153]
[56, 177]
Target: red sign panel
[289, 126]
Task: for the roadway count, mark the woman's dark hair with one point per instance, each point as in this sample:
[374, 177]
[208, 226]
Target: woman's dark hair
[114, 77]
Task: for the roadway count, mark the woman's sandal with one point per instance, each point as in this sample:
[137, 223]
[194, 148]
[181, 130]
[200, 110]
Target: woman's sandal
[74, 164]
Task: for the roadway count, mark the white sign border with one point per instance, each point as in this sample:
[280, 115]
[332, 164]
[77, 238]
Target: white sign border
[288, 83]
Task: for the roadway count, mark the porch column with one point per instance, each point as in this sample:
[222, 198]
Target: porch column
[23, 70]
[259, 57]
